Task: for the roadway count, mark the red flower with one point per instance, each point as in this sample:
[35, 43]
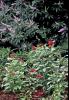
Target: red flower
[51, 43]
[39, 76]
[33, 70]
[38, 93]
[33, 47]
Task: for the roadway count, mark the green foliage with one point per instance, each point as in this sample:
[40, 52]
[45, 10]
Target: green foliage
[3, 60]
[22, 54]
[14, 73]
[23, 19]
[48, 72]
[50, 14]
[17, 29]
[3, 56]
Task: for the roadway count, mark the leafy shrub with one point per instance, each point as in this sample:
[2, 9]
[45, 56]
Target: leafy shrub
[44, 68]
[9, 2]
[3, 60]
[17, 24]
[52, 16]
[22, 20]
[4, 53]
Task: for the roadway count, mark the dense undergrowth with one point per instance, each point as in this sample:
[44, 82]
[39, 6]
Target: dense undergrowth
[36, 74]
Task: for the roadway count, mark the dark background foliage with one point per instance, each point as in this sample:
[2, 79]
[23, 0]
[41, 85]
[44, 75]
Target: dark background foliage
[49, 16]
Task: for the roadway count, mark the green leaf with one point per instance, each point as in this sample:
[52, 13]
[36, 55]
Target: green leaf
[46, 76]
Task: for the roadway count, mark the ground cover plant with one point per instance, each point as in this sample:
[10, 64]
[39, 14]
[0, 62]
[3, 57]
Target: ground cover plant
[40, 77]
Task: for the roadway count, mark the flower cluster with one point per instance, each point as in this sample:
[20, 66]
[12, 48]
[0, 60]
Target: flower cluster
[33, 47]
[39, 76]
[38, 93]
[51, 43]
[32, 71]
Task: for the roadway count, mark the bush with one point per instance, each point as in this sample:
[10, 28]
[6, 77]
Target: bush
[36, 20]
[3, 60]
[52, 16]
[4, 53]
[19, 28]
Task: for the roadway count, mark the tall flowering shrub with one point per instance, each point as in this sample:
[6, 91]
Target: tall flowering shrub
[23, 20]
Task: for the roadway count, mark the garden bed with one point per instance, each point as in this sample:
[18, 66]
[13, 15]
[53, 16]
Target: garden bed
[33, 50]
[23, 72]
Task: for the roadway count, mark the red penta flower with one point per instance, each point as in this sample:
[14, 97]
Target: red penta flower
[51, 43]
[38, 93]
[33, 70]
[39, 76]
[33, 47]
